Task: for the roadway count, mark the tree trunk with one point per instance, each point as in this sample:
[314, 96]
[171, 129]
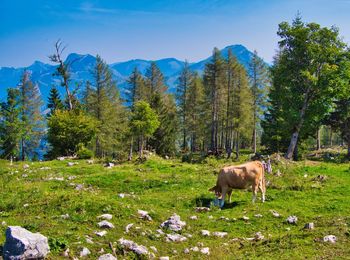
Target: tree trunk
[141, 147]
[254, 139]
[22, 150]
[330, 137]
[130, 151]
[237, 145]
[295, 135]
[318, 139]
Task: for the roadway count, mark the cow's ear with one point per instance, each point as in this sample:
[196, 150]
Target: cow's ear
[212, 189]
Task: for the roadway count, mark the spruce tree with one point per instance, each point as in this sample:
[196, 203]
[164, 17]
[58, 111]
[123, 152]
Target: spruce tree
[10, 125]
[54, 101]
[214, 80]
[184, 81]
[32, 121]
[102, 101]
[196, 119]
[259, 82]
[136, 88]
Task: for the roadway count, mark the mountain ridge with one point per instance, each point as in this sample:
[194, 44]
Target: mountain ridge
[82, 65]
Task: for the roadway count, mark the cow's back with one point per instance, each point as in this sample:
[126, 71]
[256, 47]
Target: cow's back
[240, 176]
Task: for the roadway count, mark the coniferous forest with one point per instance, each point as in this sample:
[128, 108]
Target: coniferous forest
[299, 103]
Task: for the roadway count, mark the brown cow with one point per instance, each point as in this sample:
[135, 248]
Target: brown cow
[250, 174]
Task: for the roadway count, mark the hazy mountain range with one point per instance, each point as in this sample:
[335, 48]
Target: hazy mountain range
[42, 73]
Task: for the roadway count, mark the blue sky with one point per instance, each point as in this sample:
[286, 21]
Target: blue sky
[120, 30]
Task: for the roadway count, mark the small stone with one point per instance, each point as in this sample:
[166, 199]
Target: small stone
[202, 209]
[107, 257]
[144, 215]
[4, 223]
[65, 216]
[85, 252]
[174, 223]
[309, 226]
[25, 166]
[258, 215]
[154, 249]
[66, 253]
[205, 251]
[205, 233]
[258, 236]
[175, 238]
[89, 241]
[164, 258]
[224, 218]
[105, 216]
[127, 228]
[121, 195]
[193, 217]
[26, 205]
[79, 187]
[330, 239]
[292, 220]
[71, 177]
[275, 213]
[195, 249]
[61, 158]
[70, 164]
[245, 218]
[210, 217]
[186, 251]
[105, 224]
[90, 161]
[101, 233]
[305, 175]
[219, 234]
[188, 235]
[159, 231]
[101, 251]
[132, 246]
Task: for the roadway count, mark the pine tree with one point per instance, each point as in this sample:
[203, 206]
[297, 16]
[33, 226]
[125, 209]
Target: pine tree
[196, 119]
[32, 122]
[259, 82]
[154, 82]
[54, 101]
[102, 101]
[136, 88]
[242, 107]
[184, 82]
[10, 125]
[214, 80]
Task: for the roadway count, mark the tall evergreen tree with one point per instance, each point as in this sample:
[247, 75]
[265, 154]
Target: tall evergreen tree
[154, 82]
[103, 103]
[54, 101]
[184, 81]
[214, 76]
[32, 121]
[10, 125]
[259, 82]
[136, 88]
[196, 119]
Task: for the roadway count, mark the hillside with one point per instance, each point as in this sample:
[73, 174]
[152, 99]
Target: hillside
[63, 203]
[82, 65]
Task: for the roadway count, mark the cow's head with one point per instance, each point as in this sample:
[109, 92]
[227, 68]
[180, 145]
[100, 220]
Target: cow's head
[217, 191]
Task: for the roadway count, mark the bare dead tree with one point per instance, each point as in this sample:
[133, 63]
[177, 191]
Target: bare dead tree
[62, 70]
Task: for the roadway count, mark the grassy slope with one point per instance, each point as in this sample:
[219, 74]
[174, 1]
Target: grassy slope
[164, 187]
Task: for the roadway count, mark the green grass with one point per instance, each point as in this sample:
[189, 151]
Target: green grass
[164, 187]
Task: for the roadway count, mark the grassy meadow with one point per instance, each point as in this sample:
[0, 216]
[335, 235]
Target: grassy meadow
[37, 197]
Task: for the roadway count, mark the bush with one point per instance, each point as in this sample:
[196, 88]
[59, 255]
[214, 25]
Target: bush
[84, 153]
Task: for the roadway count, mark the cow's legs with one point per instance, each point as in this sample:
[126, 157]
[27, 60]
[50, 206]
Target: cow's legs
[263, 190]
[229, 193]
[223, 194]
[255, 192]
